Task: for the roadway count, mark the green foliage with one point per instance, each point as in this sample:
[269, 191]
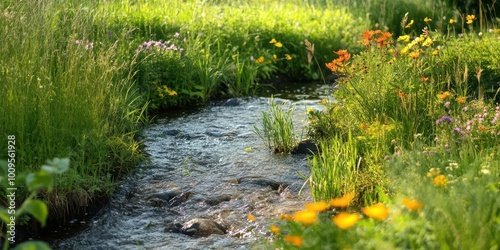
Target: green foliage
[277, 127]
[335, 168]
[36, 182]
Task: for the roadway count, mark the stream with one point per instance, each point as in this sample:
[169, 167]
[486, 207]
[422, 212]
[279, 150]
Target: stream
[207, 172]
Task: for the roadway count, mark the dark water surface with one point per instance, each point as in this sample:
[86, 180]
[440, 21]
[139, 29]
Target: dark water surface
[201, 167]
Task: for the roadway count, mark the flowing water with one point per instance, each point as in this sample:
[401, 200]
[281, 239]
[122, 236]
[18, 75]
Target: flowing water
[204, 164]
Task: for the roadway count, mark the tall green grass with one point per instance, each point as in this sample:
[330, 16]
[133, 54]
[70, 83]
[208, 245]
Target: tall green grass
[64, 91]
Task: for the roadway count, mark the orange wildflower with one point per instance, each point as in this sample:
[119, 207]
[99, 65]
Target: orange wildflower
[345, 220]
[319, 206]
[250, 217]
[414, 54]
[378, 211]
[343, 201]
[444, 95]
[461, 100]
[275, 229]
[286, 217]
[295, 240]
[424, 79]
[306, 217]
[413, 205]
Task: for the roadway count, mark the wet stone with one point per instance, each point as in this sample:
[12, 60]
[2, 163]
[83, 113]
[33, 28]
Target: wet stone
[305, 147]
[218, 200]
[261, 181]
[202, 227]
[170, 199]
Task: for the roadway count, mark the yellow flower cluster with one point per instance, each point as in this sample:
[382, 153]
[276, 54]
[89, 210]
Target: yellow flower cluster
[470, 19]
[276, 43]
[164, 90]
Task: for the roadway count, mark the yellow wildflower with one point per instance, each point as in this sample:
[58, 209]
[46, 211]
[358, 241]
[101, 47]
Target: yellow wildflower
[414, 54]
[433, 172]
[310, 110]
[319, 206]
[249, 149]
[324, 101]
[250, 217]
[288, 57]
[306, 217]
[409, 24]
[427, 20]
[405, 38]
[343, 201]
[275, 57]
[444, 95]
[461, 99]
[413, 205]
[452, 21]
[427, 42]
[420, 39]
[440, 181]
[295, 240]
[275, 229]
[272, 41]
[172, 93]
[345, 220]
[404, 50]
[470, 19]
[278, 44]
[435, 52]
[260, 59]
[378, 211]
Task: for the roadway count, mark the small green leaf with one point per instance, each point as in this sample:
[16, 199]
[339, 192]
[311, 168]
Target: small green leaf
[4, 215]
[37, 209]
[41, 179]
[33, 245]
[57, 165]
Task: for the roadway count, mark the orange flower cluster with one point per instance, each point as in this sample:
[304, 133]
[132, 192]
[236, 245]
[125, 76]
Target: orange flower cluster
[338, 64]
[382, 38]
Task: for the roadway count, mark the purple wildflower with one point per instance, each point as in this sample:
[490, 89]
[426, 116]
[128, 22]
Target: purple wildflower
[447, 104]
[444, 119]
[176, 35]
[458, 130]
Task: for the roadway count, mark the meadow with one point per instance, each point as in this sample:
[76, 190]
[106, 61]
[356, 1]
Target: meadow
[414, 119]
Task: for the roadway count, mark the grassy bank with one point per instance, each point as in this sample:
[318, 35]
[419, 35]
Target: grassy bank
[417, 116]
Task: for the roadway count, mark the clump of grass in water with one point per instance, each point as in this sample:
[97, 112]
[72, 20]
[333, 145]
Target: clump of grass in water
[277, 127]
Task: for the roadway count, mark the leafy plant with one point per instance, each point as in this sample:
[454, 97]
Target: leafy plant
[35, 182]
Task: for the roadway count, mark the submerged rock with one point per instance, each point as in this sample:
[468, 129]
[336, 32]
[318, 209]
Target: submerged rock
[305, 147]
[202, 227]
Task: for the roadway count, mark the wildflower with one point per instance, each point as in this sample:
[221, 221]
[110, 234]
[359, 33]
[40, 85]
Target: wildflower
[424, 79]
[306, 217]
[288, 57]
[452, 21]
[275, 57]
[324, 101]
[295, 240]
[176, 35]
[343, 201]
[414, 54]
[343, 55]
[319, 206]
[444, 95]
[409, 24]
[458, 130]
[440, 181]
[470, 19]
[251, 218]
[286, 217]
[249, 149]
[172, 92]
[405, 38]
[272, 41]
[310, 110]
[275, 229]
[413, 205]
[482, 128]
[433, 172]
[278, 44]
[444, 119]
[447, 104]
[260, 59]
[345, 220]
[485, 171]
[435, 52]
[427, 20]
[378, 211]
[428, 41]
